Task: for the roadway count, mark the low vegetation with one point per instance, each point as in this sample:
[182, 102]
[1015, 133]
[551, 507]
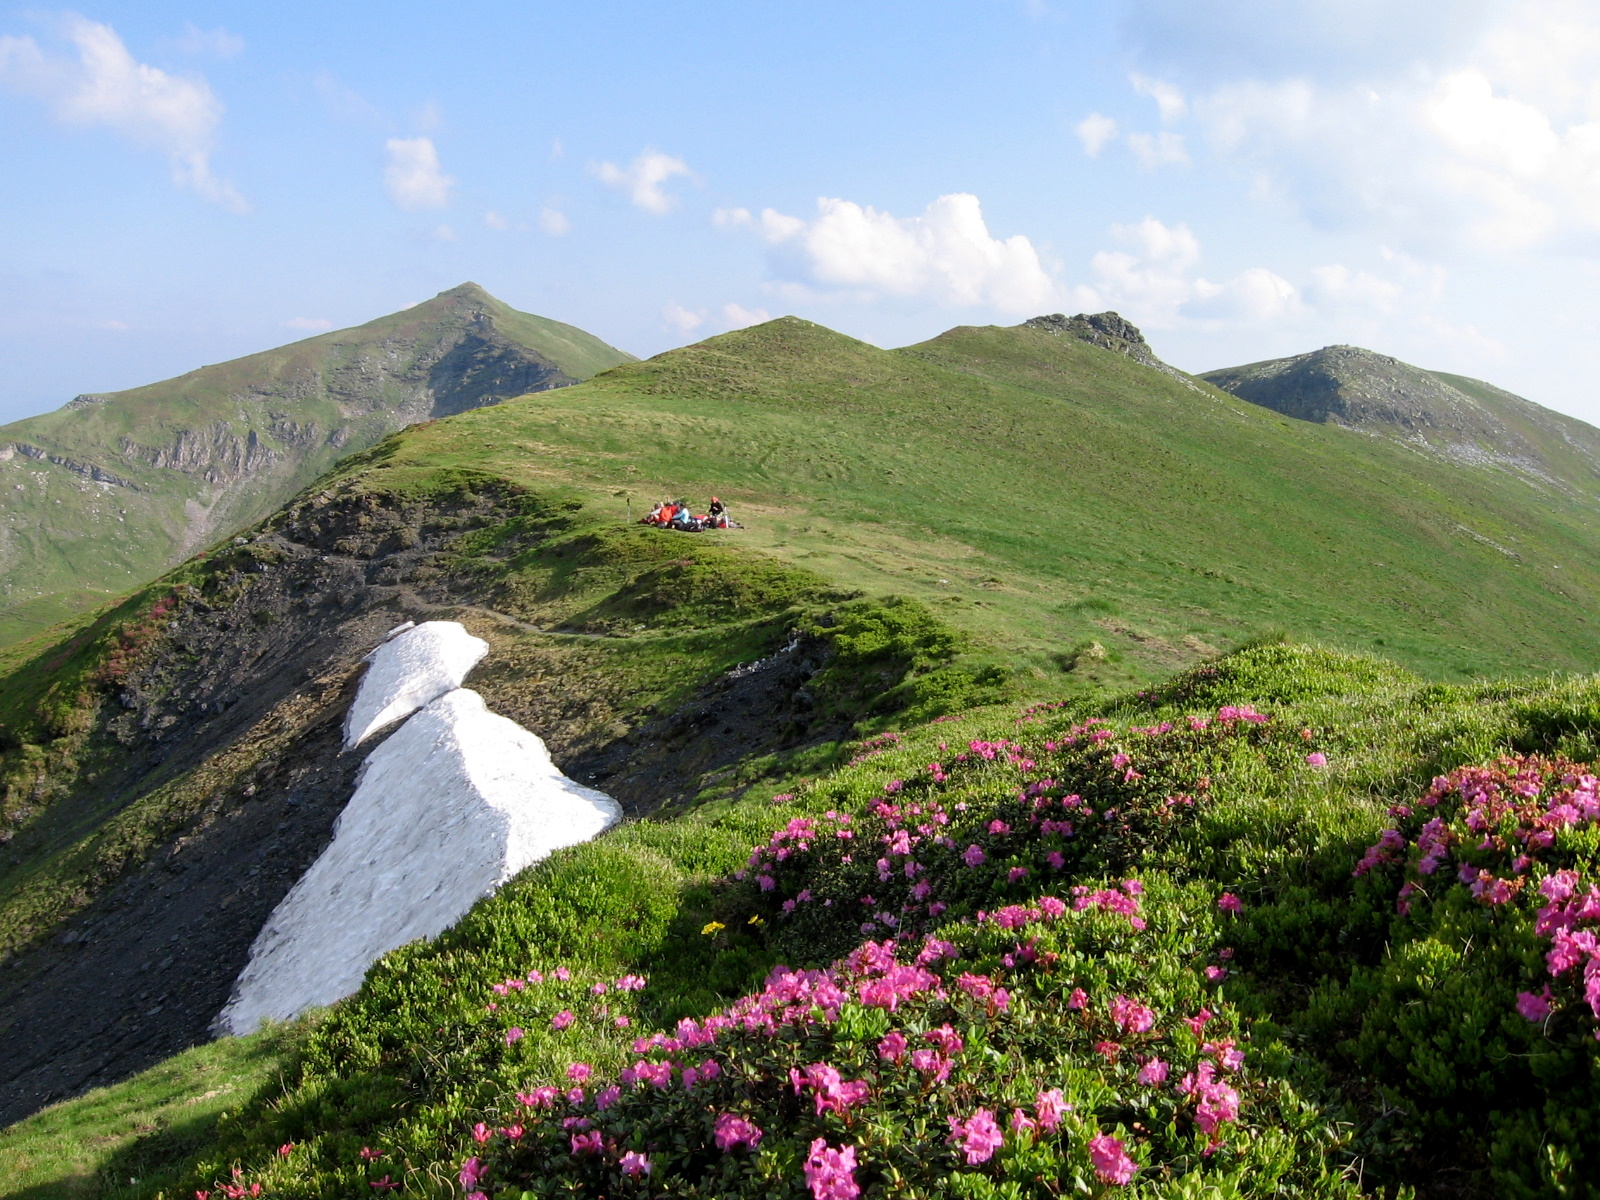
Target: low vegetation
[1161, 944]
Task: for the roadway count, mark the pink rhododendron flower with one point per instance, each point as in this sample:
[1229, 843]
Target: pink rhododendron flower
[1016, 874]
[1317, 759]
[830, 1173]
[893, 1047]
[481, 1133]
[1130, 1016]
[1153, 1072]
[587, 1143]
[1049, 1107]
[732, 1130]
[1078, 999]
[513, 1036]
[562, 1019]
[974, 856]
[579, 1071]
[978, 1135]
[472, 1173]
[1111, 1163]
[1533, 1007]
[606, 1097]
[1230, 903]
[633, 1164]
[563, 974]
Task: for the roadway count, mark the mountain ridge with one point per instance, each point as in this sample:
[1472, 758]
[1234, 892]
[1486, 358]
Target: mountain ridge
[113, 487]
[1452, 416]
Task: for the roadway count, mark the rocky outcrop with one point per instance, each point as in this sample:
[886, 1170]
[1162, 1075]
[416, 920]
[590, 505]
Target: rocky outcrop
[87, 470]
[1108, 330]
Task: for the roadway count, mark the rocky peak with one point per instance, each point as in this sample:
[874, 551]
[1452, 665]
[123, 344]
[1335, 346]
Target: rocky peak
[1108, 330]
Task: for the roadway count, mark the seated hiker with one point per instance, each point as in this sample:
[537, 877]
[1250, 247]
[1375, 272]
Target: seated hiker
[717, 514]
[653, 517]
[686, 521]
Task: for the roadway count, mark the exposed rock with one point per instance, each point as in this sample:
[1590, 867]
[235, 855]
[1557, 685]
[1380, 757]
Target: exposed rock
[1108, 330]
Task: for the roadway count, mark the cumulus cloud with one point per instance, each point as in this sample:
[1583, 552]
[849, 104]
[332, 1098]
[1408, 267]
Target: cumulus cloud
[643, 178]
[495, 221]
[739, 317]
[310, 324]
[1481, 127]
[1154, 279]
[413, 176]
[105, 85]
[1094, 131]
[946, 254]
[682, 319]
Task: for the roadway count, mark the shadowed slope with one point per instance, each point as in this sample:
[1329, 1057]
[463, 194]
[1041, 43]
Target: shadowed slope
[105, 492]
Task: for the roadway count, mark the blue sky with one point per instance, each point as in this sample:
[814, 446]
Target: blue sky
[185, 183]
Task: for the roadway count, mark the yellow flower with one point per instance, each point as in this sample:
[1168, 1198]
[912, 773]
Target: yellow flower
[755, 921]
[713, 927]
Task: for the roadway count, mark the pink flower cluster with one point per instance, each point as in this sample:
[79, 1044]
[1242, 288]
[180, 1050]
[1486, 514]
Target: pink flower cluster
[1501, 823]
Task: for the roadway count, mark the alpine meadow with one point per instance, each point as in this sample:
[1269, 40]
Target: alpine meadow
[1062, 776]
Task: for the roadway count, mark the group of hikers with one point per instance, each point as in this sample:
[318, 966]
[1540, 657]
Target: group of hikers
[675, 514]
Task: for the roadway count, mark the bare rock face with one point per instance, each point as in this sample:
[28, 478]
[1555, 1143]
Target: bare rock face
[1108, 330]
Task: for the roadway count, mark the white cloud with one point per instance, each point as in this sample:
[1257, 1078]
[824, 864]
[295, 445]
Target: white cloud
[1094, 131]
[1154, 281]
[443, 233]
[1158, 149]
[413, 176]
[1169, 100]
[1486, 134]
[107, 86]
[210, 41]
[946, 254]
[554, 222]
[495, 221]
[681, 319]
[738, 316]
[643, 178]
[312, 324]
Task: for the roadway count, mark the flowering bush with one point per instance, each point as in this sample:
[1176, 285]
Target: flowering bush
[1092, 798]
[1492, 996]
[1045, 1046]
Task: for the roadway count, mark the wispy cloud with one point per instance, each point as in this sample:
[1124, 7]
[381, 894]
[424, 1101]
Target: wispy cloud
[103, 84]
[1094, 131]
[643, 179]
[218, 42]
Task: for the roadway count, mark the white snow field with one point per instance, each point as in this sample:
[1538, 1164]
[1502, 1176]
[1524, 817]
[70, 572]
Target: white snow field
[454, 803]
[411, 666]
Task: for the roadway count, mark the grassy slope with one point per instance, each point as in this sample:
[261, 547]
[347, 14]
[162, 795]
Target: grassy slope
[411, 1063]
[1047, 492]
[61, 532]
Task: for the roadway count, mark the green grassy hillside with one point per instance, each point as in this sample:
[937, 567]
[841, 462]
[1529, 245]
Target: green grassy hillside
[994, 515]
[1381, 1051]
[106, 493]
[1050, 494]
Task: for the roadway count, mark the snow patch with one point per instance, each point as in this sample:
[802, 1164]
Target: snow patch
[454, 803]
[412, 666]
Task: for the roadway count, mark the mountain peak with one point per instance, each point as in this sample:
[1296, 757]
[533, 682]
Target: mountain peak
[1108, 330]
